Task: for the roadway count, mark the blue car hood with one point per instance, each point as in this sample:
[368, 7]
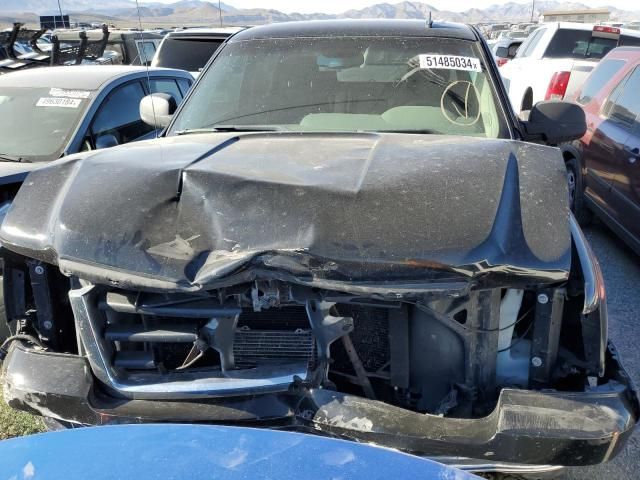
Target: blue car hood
[205, 452]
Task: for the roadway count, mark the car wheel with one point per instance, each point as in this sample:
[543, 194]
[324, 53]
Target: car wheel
[576, 196]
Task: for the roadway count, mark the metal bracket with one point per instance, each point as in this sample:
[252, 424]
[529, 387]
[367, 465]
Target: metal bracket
[546, 335]
[38, 273]
[220, 333]
[326, 328]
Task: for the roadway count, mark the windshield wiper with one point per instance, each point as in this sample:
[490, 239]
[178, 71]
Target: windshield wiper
[417, 131]
[230, 128]
[11, 158]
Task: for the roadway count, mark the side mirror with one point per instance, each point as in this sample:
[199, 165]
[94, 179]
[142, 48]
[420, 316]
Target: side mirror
[502, 52]
[106, 141]
[156, 109]
[555, 122]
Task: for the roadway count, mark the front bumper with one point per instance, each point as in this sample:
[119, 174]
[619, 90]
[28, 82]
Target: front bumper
[526, 428]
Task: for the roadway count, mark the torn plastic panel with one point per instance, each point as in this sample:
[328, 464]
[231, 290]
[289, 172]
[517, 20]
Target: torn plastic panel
[342, 211]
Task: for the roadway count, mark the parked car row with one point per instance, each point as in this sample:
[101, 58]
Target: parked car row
[187, 49]
[603, 167]
[555, 60]
[595, 66]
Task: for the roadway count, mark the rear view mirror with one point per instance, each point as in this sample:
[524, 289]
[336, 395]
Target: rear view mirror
[156, 109]
[106, 141]
[555, 122]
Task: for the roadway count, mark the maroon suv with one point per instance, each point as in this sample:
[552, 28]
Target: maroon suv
[603, 167]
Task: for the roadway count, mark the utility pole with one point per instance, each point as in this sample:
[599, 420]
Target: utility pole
[533, 7]
[219, 10]
[61, 16]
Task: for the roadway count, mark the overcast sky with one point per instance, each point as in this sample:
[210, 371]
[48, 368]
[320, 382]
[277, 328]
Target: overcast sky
[339, 6]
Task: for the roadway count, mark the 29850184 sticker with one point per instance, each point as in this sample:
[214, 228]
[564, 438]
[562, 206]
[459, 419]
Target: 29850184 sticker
[450, 62]
[61, 92]
[58, 102]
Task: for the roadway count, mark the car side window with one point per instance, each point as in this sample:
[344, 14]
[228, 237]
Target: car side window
[629, 41]
[604, 72]
[623, 105]
[530, 44]
[184, 85]
[166, 85]
[146, 51]
[119, 115]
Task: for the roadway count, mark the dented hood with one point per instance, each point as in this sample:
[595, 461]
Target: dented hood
[336, 210]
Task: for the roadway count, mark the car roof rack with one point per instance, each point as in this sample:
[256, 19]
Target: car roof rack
[13, 61]
[82, 49]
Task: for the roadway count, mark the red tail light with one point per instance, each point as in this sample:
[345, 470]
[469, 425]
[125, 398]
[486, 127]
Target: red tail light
[501, 61]
[606, 29]
[558, 86]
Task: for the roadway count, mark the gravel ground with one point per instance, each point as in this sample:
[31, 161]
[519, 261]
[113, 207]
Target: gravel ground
[621, 269]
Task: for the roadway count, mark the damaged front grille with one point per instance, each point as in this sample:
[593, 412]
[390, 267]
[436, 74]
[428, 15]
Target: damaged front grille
[164, 343]
[142, 344]
[437, 354]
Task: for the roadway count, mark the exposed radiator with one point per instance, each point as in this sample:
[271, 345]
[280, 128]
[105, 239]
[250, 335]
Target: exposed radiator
[252, 345]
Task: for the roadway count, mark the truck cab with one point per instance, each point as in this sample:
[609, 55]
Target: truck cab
[556, 59]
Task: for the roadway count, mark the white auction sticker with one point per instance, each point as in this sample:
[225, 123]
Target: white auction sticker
[58, 102]
[60, 92]
[450, 62]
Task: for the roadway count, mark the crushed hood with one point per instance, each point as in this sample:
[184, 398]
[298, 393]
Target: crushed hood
[363, 210]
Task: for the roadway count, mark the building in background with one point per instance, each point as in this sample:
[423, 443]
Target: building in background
[592, 15]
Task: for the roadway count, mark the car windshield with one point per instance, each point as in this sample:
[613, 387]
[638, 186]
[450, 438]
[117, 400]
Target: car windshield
[410, 85]
[37, 123]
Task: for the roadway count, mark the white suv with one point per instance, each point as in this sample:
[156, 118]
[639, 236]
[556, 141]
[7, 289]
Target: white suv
[557, 58]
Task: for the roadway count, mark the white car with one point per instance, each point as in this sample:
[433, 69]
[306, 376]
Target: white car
[556, 59]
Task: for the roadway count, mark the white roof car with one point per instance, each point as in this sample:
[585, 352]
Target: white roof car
[556, 59]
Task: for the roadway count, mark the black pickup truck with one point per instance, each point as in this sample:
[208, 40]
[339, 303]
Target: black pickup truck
[344, 230]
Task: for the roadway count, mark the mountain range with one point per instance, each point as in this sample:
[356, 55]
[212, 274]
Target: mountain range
[202, 12]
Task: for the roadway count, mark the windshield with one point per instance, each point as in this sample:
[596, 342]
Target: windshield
[37, 123]
[421, 85]
[190, 54]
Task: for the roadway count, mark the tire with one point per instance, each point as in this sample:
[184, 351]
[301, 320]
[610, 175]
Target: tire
[576, 193]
